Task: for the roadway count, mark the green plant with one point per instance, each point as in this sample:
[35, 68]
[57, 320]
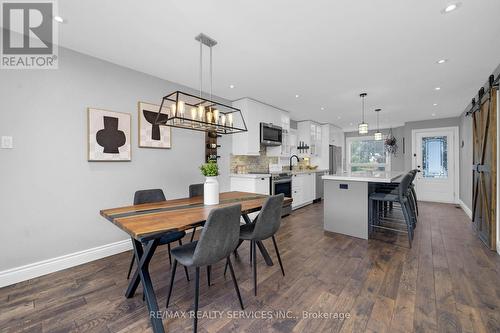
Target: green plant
[210, 169]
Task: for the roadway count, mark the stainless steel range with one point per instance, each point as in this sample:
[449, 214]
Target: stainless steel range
[282, 183]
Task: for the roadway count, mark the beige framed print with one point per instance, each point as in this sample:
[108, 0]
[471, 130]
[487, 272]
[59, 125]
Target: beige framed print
[108, 135]
[150, 134]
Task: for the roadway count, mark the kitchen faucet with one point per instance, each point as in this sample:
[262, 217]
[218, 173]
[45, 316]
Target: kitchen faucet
[291, 157]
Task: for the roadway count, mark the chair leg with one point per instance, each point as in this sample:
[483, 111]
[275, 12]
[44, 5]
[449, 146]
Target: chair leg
[130, 267]
[187, 273]
[228, 263]
[414, 198]
[169, 255]
[251, 253]
[225, 269]
[278, 255]
[196, 297]
[253, 246]
[172, 277]
[192, 234]
[209, 269]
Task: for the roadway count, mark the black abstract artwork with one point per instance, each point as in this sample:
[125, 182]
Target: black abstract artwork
[110, 138]
[150, 116]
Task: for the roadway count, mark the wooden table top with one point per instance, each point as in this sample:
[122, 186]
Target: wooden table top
[144, 222]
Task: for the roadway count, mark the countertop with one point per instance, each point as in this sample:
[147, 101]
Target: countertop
[267, 175]
[250, 175]
[298, 172]
[374, 177]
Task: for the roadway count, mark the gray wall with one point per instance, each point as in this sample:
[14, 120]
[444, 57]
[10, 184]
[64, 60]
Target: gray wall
[50, 196]
[430, 123]
[397, 160]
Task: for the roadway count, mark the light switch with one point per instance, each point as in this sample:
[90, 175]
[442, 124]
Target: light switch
[7, 142]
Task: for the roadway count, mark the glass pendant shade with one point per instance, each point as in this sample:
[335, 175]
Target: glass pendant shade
[378, 136]
[363, 128]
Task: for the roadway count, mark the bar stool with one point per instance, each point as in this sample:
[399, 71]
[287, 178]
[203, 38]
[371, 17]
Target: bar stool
[219, 237]
[401, 197]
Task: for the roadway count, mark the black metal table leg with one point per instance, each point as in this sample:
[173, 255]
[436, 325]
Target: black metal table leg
[143, 257]
[260, 245]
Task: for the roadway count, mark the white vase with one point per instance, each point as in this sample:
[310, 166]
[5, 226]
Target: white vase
[211, 191]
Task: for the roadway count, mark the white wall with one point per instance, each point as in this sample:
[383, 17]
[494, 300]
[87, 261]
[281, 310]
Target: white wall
[50, 196]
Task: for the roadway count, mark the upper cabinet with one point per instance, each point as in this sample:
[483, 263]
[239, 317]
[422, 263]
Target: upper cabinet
[254, 113]
[310, 133]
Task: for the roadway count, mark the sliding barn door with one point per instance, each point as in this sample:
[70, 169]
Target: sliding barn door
[484, 167]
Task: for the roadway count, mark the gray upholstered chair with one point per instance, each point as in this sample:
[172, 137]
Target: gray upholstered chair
[152, 196]
[195, 190]
[265, 226]
[218, 239]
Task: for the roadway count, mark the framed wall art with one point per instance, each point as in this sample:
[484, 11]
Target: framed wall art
[151, 135]
[108, 135]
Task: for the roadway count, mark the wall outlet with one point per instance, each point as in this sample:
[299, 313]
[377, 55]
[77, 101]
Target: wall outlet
[7, 142]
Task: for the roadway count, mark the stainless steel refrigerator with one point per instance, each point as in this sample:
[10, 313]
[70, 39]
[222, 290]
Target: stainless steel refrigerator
[335, 159]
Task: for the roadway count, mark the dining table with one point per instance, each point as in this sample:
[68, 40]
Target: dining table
[147, 223]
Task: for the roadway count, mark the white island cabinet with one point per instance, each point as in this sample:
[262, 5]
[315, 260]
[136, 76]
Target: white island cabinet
[346, 200]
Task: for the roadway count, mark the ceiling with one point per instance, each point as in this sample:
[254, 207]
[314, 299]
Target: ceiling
[325, 51]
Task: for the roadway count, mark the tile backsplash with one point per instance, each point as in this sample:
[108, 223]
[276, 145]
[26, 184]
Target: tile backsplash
[246, 164]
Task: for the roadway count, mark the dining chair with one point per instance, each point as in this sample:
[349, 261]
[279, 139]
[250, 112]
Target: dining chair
[219, 237]
[152, 196]
[195, 190]
[264, 227]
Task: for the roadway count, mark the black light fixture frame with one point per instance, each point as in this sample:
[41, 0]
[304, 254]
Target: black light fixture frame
[187, 122]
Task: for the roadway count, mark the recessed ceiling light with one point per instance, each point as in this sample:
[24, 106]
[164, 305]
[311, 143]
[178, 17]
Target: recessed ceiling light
[350, 124]
[322, 108]
[231, 86]
[297, 96]
[58, 19]
[442, 61]
[437, 88]
[451, 7]
[433, 114]
[435, 104]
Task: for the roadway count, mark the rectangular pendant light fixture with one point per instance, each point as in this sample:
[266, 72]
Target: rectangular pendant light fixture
[185, 110]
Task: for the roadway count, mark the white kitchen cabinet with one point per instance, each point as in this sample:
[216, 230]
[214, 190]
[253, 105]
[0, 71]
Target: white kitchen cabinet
[254, 113]
[303, 189]
[310, 133]
[260, 185]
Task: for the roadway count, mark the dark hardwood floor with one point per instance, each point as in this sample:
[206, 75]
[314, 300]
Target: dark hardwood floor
[448, 282]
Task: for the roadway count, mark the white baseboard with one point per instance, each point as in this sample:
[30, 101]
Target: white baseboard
[22, 273]
[465, 208]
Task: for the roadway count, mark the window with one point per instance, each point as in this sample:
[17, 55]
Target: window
[366, 154]
[435, 157]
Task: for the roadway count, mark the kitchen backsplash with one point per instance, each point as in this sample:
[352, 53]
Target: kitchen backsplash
[246, 164]
[249, 164]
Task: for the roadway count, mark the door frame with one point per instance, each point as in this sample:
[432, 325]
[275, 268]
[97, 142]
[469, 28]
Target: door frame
[456, 159]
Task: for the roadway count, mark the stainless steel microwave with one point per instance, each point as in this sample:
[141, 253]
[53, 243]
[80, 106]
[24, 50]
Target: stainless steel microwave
[270, 135]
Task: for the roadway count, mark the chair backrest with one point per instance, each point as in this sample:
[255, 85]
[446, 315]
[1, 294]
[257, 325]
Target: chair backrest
[404, 184]
[414, 174]
[219, 237]
[148, 196]
[269, 219]
[196, 190]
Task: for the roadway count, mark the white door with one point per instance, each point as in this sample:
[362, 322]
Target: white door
[435, 154]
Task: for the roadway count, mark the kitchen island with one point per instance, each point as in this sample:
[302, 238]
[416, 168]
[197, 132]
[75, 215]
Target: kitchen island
[346, 200]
